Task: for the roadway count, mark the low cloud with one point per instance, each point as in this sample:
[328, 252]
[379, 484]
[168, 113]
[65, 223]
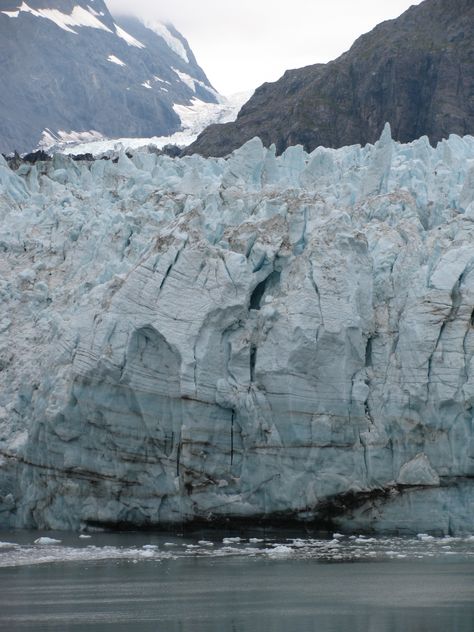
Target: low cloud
[242, 44]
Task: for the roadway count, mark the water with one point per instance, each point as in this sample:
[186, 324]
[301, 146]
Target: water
[274, 583]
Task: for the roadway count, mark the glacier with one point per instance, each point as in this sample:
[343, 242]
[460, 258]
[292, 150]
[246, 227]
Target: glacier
[255, 338]
[194, 119]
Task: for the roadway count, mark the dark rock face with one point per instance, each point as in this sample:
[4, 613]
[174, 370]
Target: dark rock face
[417, 72]
[59, 79]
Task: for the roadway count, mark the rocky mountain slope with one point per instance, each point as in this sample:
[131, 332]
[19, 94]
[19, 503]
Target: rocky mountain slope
[254, 338]
[417, 72]
[69, 67]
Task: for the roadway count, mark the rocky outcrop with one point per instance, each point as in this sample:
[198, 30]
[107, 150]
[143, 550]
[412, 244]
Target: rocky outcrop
[417, 72]
[70, 70]
[257, 338]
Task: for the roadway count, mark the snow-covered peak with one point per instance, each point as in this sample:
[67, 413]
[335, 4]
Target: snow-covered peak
[79, 17]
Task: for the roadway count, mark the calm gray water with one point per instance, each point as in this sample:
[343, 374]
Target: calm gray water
[141, 583]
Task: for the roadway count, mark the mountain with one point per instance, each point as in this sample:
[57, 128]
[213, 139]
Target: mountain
[69, 67]
[258, 338]
[417, 72]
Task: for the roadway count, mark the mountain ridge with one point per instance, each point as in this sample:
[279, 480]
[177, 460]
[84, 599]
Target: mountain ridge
[416, 72]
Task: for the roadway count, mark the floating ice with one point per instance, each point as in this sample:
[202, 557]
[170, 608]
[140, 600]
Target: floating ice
[309, 548]
[279, 550]
[424, 537]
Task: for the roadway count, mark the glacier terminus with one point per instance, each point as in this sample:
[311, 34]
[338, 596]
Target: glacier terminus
[252, 337]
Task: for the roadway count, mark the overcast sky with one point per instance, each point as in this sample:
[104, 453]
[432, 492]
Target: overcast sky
[242, 43]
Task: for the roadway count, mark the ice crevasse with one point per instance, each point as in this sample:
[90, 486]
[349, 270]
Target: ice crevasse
[256, 337]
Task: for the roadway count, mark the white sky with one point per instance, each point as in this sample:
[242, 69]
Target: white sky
[240, 44]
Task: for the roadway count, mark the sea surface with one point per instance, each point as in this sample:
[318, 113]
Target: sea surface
[264, 581]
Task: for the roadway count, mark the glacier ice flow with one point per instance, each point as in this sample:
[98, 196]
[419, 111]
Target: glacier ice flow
[251, 337]
[194, 119]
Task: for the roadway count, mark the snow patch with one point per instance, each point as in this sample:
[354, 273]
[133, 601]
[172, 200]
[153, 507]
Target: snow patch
[94, 12]
[186, 79]
[115, 60]
[171, 41]
[131, 41]
[77, 18]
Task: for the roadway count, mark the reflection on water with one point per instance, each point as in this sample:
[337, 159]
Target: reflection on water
[273, 583]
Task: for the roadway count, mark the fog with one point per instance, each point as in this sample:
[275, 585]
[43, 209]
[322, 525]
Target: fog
[243, 44]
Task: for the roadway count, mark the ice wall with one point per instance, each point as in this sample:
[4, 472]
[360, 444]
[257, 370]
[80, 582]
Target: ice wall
[251, 337]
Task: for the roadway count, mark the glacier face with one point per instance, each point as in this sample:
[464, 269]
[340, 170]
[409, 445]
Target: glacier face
[251, 337]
